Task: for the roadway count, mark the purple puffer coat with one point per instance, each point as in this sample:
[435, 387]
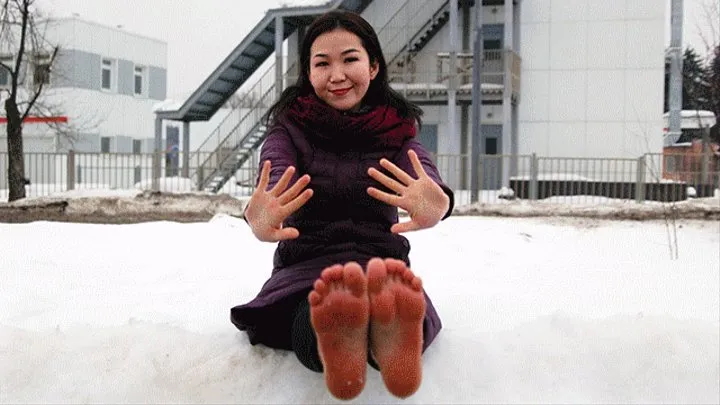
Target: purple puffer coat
[340, 223]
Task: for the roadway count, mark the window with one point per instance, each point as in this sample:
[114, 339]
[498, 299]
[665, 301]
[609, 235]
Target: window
[105, 144]
[5, 77]
[107, 74]
[139, 82]
[137, 146]
[41, 71]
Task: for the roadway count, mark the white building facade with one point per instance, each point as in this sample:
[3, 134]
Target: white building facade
[104, 83]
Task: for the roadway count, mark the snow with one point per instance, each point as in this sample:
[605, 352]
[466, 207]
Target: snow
[58, 190]
[534, 310]
[168, 105]
[169, 185]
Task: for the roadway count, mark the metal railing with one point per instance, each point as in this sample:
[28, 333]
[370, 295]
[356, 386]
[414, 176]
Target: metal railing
[569, 180]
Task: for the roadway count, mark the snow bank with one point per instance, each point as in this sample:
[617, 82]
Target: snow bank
[596, 207]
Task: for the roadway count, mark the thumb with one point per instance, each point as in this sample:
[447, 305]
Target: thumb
[286, 233]
[408, 226]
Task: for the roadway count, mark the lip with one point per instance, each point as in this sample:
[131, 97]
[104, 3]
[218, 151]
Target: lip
[340, 92]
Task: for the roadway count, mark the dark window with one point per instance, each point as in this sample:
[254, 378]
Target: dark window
[105, 144]
[138, 84]
[4, 73]
[137, 146]
[690, 134]
[41, 73]
[107, 68]
[490, 44]
[491, 146]
[428, 137]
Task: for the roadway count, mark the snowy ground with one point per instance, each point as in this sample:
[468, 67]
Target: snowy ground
[535, 310]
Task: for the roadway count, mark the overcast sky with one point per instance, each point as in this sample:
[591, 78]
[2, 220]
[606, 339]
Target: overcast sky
[201, 33]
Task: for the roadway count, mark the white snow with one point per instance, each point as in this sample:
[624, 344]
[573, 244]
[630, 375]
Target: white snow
[534, 311]
[168, 105]
[169, 185]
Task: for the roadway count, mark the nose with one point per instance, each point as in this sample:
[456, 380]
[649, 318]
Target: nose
[337, 74]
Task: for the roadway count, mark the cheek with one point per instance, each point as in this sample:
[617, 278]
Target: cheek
[315, 80]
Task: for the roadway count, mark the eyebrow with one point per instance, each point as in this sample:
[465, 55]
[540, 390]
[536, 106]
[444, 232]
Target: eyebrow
[345, 52]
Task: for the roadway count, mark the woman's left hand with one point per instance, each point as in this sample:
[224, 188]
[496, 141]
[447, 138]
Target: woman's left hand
[422, 198]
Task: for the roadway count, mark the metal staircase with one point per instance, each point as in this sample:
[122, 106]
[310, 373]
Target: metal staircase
[242, 140]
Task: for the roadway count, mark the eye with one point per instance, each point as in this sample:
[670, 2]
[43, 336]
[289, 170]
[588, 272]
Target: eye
[351, 59]
[319, 64]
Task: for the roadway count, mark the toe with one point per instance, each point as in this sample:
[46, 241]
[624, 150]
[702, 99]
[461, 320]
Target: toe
[376, 275]
[332, 273]
[314, 298]
[416, 284]
[321, 287]
[395, 266]
[354, 279]
[408, 275]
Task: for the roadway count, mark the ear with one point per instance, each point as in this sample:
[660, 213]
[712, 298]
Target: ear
[374, 69]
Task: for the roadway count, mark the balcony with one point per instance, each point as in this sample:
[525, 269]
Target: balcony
[431, 86]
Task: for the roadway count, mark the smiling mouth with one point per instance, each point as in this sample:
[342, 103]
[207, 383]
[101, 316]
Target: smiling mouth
[340, 92]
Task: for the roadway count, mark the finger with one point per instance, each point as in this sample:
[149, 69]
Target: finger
[283, 182]
[408, 226]
[285, 234]
[385, 180]
[397, 172]
[264, 176]
[298, 202]
[293, 191]
[384, 197]
[415, 161]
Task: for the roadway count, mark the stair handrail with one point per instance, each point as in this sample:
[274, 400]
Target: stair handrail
[220, 125]
[231, 139]
[217, 133]
[434, 5]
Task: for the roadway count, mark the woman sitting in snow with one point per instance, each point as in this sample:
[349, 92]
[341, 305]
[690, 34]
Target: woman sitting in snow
[339, 159]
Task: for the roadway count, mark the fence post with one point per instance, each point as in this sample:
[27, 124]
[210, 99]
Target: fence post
[640, 180]
[70, 170]
[533, 186]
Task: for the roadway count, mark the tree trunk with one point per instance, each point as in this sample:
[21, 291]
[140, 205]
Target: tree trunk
[16, 169]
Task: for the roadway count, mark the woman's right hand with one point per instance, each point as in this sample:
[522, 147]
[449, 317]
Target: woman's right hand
[267, 210]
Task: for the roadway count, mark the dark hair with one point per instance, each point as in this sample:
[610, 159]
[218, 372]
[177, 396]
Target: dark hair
[379, 91]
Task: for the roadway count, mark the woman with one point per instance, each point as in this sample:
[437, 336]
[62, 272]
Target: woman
[339, 159]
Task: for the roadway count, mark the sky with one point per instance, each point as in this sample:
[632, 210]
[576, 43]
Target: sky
[201, 33]
[534, 311]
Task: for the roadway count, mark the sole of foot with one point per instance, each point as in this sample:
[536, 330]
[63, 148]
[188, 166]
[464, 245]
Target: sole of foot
[397, 310]
[339, 314]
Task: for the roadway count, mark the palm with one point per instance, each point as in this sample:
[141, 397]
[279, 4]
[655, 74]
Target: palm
[267, 209]
[422, 198]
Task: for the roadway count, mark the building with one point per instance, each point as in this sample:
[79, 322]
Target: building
[560, 78]
[103, 84]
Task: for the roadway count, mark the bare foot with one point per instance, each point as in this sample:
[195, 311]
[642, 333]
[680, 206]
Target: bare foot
[397, 309]
[339, 312]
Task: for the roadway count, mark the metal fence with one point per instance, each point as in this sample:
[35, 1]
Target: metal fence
[658, 177]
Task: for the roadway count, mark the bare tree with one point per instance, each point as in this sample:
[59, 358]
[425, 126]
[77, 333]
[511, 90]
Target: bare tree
[709, 27]
[23, 46]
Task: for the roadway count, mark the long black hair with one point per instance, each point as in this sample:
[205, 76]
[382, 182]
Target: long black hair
[379, 91]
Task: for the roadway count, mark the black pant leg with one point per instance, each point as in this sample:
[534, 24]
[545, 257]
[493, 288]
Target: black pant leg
[304, 342]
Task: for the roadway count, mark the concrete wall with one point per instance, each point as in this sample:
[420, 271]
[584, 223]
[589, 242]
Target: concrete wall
[592, 77]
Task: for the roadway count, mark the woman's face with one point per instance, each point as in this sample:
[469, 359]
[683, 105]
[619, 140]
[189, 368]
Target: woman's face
[340, 69]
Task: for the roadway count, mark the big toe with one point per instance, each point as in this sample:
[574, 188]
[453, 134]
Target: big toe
[376, 275]
[354, 279]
